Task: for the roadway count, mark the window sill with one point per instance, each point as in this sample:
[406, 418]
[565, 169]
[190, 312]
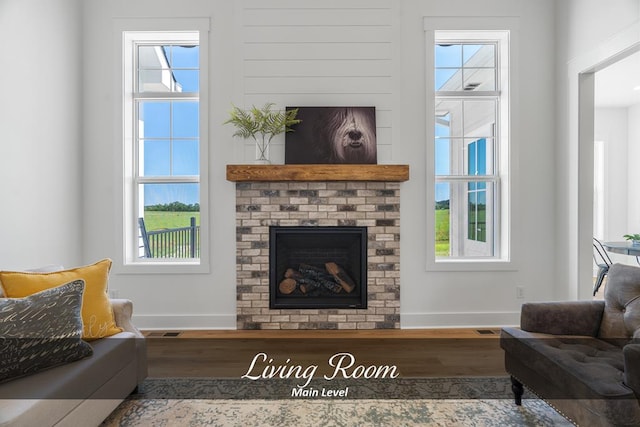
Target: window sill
[161, 267]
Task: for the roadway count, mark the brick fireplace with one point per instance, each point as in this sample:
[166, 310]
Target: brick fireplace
[318, 196]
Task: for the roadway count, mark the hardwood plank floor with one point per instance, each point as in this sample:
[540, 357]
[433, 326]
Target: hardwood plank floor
[416, 353]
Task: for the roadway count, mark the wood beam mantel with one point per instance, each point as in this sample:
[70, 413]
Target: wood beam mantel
[340, 172]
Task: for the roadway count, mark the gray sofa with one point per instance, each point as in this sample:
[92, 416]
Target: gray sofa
[81, 393]
[582, 357]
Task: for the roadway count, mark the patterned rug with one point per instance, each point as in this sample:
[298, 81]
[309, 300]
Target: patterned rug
[401, 402]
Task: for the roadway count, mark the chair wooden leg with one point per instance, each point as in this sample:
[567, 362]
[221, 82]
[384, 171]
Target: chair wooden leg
[518, 390]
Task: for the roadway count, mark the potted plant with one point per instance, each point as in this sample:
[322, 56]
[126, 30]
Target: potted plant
[262, 124]
[635, 239]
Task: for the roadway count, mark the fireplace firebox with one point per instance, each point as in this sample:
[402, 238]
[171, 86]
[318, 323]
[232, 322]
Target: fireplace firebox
[317, 267]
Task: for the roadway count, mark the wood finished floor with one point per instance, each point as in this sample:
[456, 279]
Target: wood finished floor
[416, 353]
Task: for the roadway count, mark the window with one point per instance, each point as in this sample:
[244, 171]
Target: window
[470, 145]
[164, 147]
[166, 143]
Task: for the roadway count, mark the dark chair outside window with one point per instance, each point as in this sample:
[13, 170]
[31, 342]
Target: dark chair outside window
[145, 238]
[602, 260]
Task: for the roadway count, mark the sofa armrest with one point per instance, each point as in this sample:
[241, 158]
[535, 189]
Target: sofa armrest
[562, 318]
[632, 367]
[122, 311]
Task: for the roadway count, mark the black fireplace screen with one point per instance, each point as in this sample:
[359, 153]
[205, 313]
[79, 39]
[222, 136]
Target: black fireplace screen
[317, 267]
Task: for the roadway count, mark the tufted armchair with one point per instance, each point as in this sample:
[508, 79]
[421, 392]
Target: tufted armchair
[582, 357]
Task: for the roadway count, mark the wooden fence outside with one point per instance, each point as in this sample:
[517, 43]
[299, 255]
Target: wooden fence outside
[183, 242]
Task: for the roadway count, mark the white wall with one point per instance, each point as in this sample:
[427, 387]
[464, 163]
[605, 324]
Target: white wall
[611, 128]
[588, 32]
[40, 125]
[482, 297]
[286, 52]
[311, 53]
[161, 300]
[392, 37]
[317, 53]
[61, 178]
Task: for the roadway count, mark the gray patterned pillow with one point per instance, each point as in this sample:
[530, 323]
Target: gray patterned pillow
[41, 331]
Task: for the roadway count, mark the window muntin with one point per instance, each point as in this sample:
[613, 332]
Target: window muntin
[465, 67]
[468, 111]
[168, 138]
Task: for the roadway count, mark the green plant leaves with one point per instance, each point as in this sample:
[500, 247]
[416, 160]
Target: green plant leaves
[262, 122]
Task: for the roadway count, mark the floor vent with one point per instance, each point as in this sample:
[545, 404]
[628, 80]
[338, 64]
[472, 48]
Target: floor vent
[486, 331]
[160, 334]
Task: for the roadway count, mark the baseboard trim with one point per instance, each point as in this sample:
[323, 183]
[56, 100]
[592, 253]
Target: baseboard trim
[459, 320]
[407, 321]
[185, 322]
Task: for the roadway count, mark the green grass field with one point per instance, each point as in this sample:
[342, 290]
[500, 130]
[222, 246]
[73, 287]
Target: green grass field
[442, 232]
[161, 220]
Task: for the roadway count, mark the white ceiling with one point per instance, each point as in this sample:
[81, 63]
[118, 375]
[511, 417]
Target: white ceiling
[615, 84]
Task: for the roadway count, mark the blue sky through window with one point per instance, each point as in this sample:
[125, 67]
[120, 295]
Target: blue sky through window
[170, 132]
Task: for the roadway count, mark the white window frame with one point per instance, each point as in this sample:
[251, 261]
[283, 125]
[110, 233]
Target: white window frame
[127, 33]
[503, 30]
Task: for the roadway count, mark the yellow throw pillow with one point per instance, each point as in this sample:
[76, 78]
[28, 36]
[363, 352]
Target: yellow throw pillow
[97, 315]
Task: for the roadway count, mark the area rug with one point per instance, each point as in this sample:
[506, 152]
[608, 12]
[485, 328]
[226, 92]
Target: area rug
[427, 402]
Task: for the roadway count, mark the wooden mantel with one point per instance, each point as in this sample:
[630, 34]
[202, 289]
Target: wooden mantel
[339, 172]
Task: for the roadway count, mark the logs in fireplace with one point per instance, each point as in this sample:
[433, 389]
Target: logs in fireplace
[316, 281]
[318, 267]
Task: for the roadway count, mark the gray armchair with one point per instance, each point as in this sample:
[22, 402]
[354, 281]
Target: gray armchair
[582, 357]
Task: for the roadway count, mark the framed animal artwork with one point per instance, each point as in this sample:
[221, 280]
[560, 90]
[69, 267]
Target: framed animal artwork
[330, 135]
